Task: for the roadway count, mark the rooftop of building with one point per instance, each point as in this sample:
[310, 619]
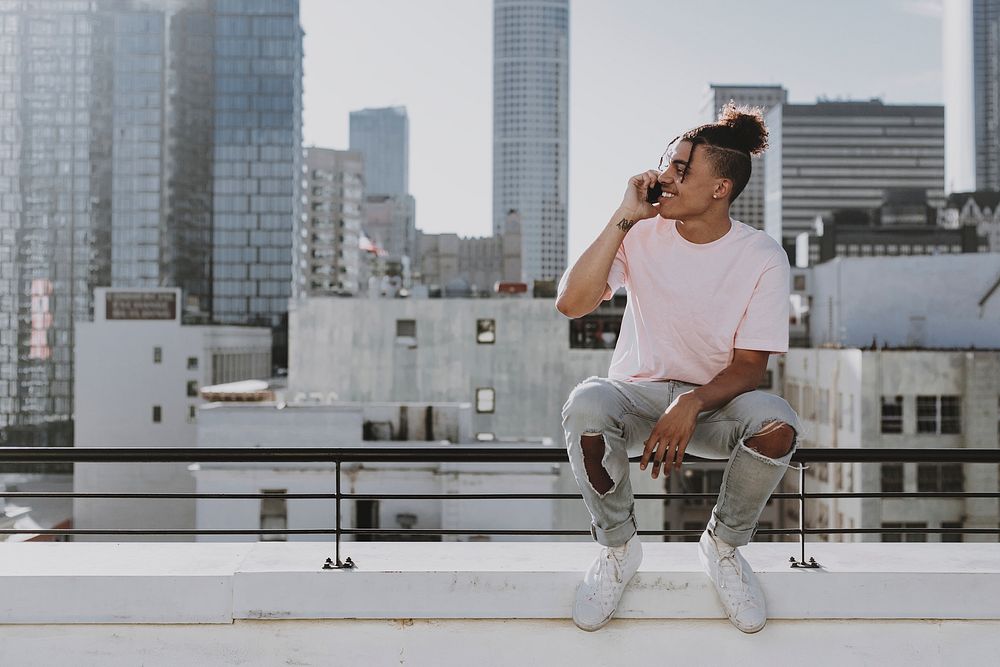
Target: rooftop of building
[493, 603]
[870, 107]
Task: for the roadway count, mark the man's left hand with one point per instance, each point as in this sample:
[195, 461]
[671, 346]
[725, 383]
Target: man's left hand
[670, 436]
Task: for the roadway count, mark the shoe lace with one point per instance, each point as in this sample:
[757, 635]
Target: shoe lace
[610, 569]
[728, 559]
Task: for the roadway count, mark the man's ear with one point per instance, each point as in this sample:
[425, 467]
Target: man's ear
[723, 188]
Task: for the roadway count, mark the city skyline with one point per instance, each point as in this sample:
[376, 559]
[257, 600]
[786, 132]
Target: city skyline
[892, 50]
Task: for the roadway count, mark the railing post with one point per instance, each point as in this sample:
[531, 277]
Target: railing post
[338, 564]
[802, 524]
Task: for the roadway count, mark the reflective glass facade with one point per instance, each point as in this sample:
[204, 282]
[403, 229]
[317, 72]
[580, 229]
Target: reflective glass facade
[531, 128]
[118, 148]
[257, 146]
[383, 137]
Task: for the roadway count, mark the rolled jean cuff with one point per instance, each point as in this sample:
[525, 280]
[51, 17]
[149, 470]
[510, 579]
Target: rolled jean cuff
[617, 535]
[734, 538]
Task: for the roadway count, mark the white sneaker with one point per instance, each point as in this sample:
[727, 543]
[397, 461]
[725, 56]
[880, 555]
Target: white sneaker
[602, 586]
[737, 586]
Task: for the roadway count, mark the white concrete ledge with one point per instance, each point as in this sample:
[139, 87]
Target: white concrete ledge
[188, 583]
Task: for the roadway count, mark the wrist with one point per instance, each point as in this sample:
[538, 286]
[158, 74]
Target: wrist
[623, 219]
[692, 399]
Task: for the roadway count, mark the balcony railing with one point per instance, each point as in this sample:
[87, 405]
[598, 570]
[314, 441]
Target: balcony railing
[469, 454]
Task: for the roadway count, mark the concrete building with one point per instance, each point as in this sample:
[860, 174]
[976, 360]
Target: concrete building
[980, 210]
[931, 301]
[390, 223]
[834, 155]
[327, 255]
[383, 137]
[461, 266]
[307, 420]
[971, 74]
[905, 224]
[148, 144]
[515, 360]
[531, 129]
[749, 206]
[891, 399]
[138, 375]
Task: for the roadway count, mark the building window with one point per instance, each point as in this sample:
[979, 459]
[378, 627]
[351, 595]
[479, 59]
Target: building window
[892, 478]
[892, 414]
[157, 414]
[943, 477]
[192, 363]
[486, 331]
[763, 525]
[693, 525]
[192, 388]
[365, 516]
[927, 415]
[901, 537]
[192, 413]
[951, 537]
[799, 283]
[939, 414]
[274, 515]
[157, 355]
[768, 380]
[406, 333]
[951, 414]
[485, 399]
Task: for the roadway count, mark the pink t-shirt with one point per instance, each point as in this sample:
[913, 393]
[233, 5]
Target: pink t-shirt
[691, 304]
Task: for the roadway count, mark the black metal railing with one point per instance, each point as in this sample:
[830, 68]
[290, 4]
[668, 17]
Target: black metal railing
[468, 454]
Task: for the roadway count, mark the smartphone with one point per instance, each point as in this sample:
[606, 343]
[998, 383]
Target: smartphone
[653, 194]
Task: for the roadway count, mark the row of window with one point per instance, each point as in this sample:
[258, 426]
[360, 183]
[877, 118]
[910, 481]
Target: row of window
[191, 416]
[935, 414]
[931, 478]
[406, 332]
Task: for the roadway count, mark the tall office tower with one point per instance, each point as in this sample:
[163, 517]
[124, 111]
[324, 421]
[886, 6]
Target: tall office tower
[326, 248]
[383, 137]
[749, 206]
[835, 155]
[257, 158]
[971, 30]
[120, 131]
[531, 128]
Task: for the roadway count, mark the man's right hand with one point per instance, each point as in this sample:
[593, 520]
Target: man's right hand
[634, 204]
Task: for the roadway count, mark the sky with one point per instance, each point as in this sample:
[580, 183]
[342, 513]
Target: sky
[639, 74]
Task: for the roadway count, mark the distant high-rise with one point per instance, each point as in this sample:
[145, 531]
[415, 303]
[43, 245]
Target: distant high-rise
[531, 128]
[749, 206]
[972, 94]
[383, 137]
[144, 143]
[837, 155]
[327, 253]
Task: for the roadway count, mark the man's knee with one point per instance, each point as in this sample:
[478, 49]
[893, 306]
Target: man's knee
[774, 440]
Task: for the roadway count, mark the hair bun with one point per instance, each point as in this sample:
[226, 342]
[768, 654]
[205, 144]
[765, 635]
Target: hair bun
[747, 125]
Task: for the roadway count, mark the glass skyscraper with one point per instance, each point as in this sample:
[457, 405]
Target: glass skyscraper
[531, 128]
[383, 137]
[972, 94]
[125, 125]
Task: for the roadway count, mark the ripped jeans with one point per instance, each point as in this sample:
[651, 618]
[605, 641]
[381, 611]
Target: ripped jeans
[625, 413]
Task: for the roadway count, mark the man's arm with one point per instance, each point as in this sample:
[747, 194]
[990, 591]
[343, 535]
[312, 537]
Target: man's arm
[743, 374]
[582, 287]
[673, 429]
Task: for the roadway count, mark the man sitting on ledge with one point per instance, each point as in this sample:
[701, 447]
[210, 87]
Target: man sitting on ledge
[707, 304]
